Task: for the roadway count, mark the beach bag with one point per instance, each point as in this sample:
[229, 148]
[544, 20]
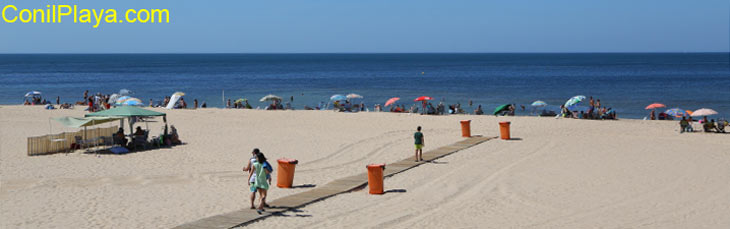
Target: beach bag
[268, 167]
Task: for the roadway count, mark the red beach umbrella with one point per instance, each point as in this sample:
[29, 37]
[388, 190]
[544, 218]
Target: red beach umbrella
[654, 106]
[423, 98]
[391, 101]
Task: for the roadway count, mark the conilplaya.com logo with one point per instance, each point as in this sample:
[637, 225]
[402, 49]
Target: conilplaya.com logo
[75, 14]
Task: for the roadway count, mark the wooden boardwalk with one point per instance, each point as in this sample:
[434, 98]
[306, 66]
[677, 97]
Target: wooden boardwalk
[346, 184]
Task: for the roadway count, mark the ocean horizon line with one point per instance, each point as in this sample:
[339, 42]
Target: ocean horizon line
[351, 53]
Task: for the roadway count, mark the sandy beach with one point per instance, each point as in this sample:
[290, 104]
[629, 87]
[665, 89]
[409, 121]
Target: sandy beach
[557, 173]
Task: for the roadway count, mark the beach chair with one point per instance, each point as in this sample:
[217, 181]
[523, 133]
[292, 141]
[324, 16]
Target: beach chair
[107, 140]
[721, 125]
[80, 142]
[140, 141]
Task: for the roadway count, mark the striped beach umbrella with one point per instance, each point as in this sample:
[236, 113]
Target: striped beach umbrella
[676, 112]
[120, 100]
[575, 100]
[337, 97]
[539, 103]
[132, 102]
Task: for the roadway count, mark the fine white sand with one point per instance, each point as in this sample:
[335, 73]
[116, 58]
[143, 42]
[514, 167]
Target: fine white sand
[560, 173]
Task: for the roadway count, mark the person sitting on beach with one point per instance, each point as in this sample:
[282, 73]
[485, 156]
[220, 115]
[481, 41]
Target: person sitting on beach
[430, 109]
[398, 109]
[652, 115]
[183, 104]
[174, 137]
[119, 137]
[704, 122]
[711, 126]
[683, 125]
[247, 106]
[721, 123]
[139, 132]
[479, 110]
[564, 111]
[205, 105]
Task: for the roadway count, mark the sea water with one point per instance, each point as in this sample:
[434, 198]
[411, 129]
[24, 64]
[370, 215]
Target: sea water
[627, 82]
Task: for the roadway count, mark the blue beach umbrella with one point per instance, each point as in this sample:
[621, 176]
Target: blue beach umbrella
[539, 103]
[574, 101]
[676, 112]
[120, 100]
[338, 97]
[32, 93]
[132, 102]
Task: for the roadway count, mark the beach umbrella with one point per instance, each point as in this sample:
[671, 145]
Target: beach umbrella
[132, 102]
[113, 98]
[704, 112]
[124, 92]
[391, 101]
[32, 93]
[689, 112]
[539, 103]
[179, 93]
[354, 96]
[501, 108]
[338, 97]
[423, 98]
[270, 97]
[654, 106]
[120, 100]
[676, 112]
[575, 100]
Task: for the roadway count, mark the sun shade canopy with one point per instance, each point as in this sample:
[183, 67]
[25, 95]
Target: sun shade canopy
[125, 111]
[82, 122]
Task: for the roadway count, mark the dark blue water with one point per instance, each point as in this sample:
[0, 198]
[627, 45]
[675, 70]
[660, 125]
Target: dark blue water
[626, 82]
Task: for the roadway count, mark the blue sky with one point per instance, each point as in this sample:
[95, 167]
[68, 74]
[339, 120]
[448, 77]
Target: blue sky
[324, 26]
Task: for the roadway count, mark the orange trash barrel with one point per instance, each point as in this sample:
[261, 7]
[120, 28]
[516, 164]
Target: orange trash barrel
[504, 130]
[375, 178]
[465, 128]
[285, 175]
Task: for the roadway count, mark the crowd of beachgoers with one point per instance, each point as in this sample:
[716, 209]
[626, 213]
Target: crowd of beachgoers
[422, 105]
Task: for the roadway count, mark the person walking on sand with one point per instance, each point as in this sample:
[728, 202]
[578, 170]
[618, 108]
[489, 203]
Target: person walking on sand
[260, 183]
[418, 137]
[252, 176]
